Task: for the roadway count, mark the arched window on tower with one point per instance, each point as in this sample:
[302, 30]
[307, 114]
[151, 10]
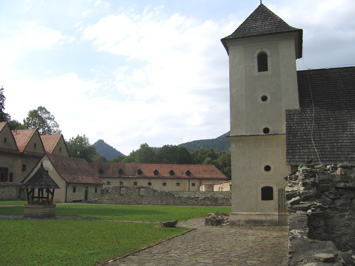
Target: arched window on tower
[262, 62]
[267, 193]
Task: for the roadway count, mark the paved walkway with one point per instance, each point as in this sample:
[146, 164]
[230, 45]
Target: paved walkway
[206, 245]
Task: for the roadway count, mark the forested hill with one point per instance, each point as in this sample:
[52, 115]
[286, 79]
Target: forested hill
[218, 144]
[106, 150]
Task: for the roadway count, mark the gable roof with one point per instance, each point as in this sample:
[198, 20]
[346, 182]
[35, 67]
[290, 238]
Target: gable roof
[7, 145]
[41, 179]
[23, 137]
[264, 22]
[324, 126]
[50, 142]
[2, 125]
[74, 170]
[168, 171]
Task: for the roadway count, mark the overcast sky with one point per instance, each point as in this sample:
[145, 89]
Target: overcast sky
[154, 71]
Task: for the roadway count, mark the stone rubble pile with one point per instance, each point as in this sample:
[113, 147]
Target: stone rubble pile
[217, 219]
[321, 201]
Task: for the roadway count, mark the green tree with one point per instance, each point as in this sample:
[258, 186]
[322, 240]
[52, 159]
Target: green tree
[145, 154]
[80, 147]
[4, 117]
[224, 163]
[170, 154]
[43, 120]
[14, 124]
[199, 156]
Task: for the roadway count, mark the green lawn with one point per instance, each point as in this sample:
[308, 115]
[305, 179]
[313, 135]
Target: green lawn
[87, 242]
[127, 212]
[73, 242]
[12, 202]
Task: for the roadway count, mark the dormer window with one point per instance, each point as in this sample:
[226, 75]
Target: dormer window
[120, 172]
[262, 62]
[171, 172]
[156, 172]
[139, 172]
[188, 173]
[101, 171]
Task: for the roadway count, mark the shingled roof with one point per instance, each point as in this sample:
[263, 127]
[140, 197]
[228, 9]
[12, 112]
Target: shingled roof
[50, 141]
[41, 179]
[324, 126]
[264, 22]
[74, 170]
[166, 171]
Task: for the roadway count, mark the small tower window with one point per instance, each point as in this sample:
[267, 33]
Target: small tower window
[267, 193]
[262, 62]
[267, 168]
[266, 130]
[264, 98]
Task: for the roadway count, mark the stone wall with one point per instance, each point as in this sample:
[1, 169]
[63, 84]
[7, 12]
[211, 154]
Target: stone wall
[10, 191]
[321, 202]
[139, 195]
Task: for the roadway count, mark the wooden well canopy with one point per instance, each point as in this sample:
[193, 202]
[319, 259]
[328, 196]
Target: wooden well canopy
[45, 186]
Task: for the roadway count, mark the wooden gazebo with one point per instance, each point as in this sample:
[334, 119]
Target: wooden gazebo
[40, 192]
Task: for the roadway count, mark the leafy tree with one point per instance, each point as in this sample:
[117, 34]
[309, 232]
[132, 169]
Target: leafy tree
[43, 120]
[173, 155]
[80, 147]
[145, 154]
[4, 117]
[14, 124]
[199, 156]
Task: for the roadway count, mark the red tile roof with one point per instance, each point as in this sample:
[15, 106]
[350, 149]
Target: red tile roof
[50, 142]
[74, 170]
[186, 171]
[22, 137]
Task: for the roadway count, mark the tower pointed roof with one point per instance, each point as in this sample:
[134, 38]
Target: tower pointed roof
[41, 179]
[264, 22]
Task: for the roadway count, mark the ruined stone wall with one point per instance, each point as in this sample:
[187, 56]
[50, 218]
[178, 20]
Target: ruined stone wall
[325, 197]
[139, 195]
[10, 191]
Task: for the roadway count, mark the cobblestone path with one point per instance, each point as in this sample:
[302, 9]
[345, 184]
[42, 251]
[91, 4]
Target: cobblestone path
[266, 246]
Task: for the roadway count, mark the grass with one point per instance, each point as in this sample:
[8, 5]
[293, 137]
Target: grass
[127, 212]
[73, 242]
[13, 202]
[87, 242]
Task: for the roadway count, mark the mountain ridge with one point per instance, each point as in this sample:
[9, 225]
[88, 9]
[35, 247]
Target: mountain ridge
[219, 144]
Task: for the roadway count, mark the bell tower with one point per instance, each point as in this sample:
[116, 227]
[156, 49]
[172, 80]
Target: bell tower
[263, 84]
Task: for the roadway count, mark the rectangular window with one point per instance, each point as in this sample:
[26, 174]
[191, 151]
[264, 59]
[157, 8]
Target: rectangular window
[164, 184]
[178, 184]
[108, 183]
[121, 183]
[11, 177]
[5, 140]
[96, 190]
[74, 189]
[192, 184]
[149, 183]
[135, 183]
[24, 168]
[3, 174]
